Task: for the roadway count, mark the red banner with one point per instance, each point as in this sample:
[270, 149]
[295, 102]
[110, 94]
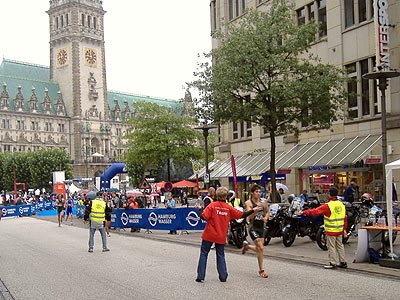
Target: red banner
[234, 175]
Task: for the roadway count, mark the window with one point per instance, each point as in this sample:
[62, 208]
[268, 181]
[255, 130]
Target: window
[362, 93]
[248, 129]
[309, 13]
[356, 12]
[61, 127]
[348, 13]
[20, 125]
[301, 16]
[213, 12]
[235, 131]
[56, 22]
[88, 21]
[241, 130]
[7, 148]
[62, 21]
[83, 20]
[67, 19]
[322, 18]
[94, 22]
[236, 8]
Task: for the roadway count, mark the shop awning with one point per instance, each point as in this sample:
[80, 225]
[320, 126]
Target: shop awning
[320, 153]
[246, 165]
[328, 153]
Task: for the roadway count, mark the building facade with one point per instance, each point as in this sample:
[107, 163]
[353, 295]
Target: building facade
[68, 104]
[352, 147]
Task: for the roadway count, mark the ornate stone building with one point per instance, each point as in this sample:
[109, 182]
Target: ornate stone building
[68, 105]
[351, 148]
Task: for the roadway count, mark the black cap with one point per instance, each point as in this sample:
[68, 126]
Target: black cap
[333, 191]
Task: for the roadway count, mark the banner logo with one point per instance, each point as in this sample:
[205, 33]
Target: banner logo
[153, 219]
[21, 210]
[4, 210]
[193, 218]
[124, 219]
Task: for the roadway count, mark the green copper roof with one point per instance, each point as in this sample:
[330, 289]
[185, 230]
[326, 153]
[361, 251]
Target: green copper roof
[26, 75]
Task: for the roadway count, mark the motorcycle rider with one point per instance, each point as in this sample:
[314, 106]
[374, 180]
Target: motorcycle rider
[335, 222]
[256, 229]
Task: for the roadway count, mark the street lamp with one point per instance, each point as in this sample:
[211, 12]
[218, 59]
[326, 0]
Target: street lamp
[382, 76]
[206, 127]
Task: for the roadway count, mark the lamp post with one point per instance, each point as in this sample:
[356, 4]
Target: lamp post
[382, 76]
[205, 128]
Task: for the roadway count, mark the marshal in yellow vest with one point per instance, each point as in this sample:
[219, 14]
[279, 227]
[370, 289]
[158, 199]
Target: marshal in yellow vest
[335, 222]
[98, 213]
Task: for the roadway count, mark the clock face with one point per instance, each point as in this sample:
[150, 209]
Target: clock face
[90, 56]
[62, 57]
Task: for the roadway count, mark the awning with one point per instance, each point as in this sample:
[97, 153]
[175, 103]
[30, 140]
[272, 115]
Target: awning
[328, 153]
[320, 153]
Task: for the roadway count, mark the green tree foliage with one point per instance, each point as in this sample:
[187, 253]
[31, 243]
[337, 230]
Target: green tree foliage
[264, 74]
[33, 168]
[158, 135]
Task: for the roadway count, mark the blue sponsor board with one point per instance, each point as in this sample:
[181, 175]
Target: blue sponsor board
[161, 219]
[80, 211]
[18, 210]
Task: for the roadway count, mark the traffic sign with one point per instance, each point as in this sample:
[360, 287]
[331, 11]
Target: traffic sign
[144, 185]
[168, 186]
[206, 178]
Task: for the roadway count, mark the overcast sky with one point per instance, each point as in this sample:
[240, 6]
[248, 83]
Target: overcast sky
[151, 46]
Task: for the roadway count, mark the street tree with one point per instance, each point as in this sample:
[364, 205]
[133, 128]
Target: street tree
[263, 73]
[158, 135]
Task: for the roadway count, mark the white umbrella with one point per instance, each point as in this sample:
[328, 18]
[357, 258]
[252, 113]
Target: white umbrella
[281, 186]
[97, 155]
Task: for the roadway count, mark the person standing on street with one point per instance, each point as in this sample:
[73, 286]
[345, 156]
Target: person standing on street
[210, 197]
[335, 222]
[171, 203]
[217, 214]
[256, 229]
[96, 213]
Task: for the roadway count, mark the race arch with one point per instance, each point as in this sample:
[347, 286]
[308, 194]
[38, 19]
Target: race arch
[109, 173]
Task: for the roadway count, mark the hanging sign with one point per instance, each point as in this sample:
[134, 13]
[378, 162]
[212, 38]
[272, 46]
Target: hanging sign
[382, 26]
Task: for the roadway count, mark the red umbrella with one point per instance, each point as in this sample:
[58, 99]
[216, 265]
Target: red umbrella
[161, 184]
[184, 184]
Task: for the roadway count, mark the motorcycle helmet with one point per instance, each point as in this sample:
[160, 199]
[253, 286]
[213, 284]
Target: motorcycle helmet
[367, 199]
[231, 196]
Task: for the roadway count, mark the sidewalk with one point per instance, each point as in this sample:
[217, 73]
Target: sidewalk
[303, 250]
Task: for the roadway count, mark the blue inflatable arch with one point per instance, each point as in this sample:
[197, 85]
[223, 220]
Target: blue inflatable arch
[109, 173]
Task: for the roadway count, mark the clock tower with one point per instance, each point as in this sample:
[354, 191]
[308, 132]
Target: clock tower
[77, 58]
[77, 64]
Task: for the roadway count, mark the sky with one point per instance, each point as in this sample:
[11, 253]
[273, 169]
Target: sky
[151, 46]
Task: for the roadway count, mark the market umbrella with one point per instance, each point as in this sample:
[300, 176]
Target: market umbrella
[134, 193]
[184, 184]
[281, 186]
[113, 190]
[91, 195]
[161, 184]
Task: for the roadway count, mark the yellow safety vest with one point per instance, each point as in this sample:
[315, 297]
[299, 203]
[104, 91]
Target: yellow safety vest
[236, 203]
[98, 213]
[335, 222]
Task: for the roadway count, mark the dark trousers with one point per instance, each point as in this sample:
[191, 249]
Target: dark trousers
[221, 263]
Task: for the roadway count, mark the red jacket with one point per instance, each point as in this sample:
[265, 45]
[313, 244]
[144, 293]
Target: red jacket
[325, 210]
[218, 214]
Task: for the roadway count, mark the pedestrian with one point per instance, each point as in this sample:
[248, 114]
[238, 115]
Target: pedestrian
[210, 197]
[335, 222]
[350, 192]
[171, 203]
[218, 215]
[95, 213]
[60, 203]
[256, 229]
[304, 196]
[69, 205]
[109, 208]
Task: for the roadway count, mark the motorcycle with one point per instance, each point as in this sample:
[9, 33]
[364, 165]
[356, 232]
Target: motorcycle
[299, 225]
[237, 231]
[276, 222]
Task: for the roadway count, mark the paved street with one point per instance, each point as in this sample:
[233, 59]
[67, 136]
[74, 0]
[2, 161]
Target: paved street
[39, 260]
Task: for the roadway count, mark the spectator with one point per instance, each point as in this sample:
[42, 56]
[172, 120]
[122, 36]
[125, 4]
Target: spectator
[109, 208]
[210, 197]
[217, 214]
[171, 203]
[350, 192]
[304, 196]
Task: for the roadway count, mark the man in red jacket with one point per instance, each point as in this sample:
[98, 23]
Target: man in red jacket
[217, 214]
[335, 222]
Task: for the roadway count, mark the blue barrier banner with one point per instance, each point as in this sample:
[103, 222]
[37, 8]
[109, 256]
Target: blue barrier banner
[162, 219]
[48, 204]
[18, 210]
